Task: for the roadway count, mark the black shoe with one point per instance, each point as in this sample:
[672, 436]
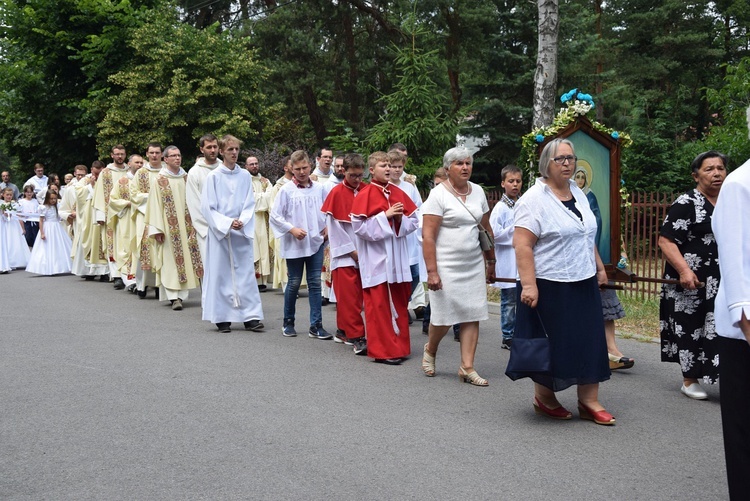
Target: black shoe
[419, 312]
[324, 301]
[119, 284]
[156, 292]
[88, 278]
[131, 288]
[318, 332]
[262, 288]
[288, 329]
[224, 326]
[360, 346]
[104, 278]
[340, 337]
[142, 294]
[254, 325]
[425, 329]
[506, 344]
[389, 361]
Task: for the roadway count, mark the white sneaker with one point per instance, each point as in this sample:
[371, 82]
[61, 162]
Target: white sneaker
[694, 391]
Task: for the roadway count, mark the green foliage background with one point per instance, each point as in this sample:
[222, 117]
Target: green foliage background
[77, 76]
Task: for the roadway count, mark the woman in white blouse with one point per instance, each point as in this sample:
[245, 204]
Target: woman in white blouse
[560, 272]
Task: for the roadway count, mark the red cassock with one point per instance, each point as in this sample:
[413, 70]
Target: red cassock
[386, 314]
[347, 284]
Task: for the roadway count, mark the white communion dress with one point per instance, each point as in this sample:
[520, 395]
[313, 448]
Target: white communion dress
[51, 256]
[14, 252]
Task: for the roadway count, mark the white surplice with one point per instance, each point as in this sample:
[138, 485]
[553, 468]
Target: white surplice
[230, 290]
[196, 177]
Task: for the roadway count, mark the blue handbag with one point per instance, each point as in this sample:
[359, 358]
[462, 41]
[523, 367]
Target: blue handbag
[531, 355]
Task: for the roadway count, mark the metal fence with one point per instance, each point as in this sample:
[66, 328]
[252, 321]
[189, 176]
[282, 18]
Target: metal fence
[642, 217]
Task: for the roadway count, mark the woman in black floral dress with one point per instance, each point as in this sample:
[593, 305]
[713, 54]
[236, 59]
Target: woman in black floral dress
[686, 311]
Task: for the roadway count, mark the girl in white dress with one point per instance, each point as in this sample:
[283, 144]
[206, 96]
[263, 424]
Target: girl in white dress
[14, 253]
[51, 252]
[29, 213]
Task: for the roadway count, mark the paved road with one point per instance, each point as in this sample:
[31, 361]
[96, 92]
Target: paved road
[104, 396]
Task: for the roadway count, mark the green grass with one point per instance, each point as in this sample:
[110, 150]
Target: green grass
[641, 318]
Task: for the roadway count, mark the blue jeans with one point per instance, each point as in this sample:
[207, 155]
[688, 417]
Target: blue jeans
[414, 269]
[508, 312]
[295, 267]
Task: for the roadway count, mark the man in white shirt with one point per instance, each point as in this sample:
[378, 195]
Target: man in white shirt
[323, 171]
[297, 221]
[209, 147]
[38, 180]
[731, 227]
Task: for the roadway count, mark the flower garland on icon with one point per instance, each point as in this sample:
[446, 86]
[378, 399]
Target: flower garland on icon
[577, 104]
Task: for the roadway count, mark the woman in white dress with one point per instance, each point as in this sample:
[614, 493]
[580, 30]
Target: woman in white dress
[457, 270]
[14, 253]
[51, 252]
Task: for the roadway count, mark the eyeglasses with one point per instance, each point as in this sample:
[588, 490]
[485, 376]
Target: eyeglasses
[562, 160]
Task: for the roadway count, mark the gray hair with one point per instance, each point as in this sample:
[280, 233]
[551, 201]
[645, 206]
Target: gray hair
[169, 148]
[455, 154]
[548, 153]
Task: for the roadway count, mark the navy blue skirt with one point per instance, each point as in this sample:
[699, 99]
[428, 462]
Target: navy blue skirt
[571, 314]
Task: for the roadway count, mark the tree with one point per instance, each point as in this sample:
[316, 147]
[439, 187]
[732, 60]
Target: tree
[417, 113]
[545, 77]
[57, 55]
[182, 83]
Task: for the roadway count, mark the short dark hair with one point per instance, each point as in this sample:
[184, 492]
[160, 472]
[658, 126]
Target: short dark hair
[206, 137]
[509, 169]
[153, 144]
[353, 161]
[97, 164]
[320, 150]
[118, 147]
[397, 146]
[696, 164]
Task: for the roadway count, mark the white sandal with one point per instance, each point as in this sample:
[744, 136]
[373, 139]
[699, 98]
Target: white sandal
[428, 363]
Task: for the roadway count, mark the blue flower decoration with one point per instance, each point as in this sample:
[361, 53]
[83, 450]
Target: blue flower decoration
[568, 95]
[615, 135]
[539, 138]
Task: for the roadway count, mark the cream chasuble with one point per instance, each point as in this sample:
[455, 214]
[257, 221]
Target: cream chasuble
[177, 261]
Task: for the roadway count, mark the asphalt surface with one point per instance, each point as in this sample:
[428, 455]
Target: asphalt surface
[105, 396]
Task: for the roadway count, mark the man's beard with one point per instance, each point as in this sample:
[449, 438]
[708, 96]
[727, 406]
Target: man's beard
[339, 176]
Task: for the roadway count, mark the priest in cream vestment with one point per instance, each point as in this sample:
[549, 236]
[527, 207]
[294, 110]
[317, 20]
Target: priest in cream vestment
[175, 256]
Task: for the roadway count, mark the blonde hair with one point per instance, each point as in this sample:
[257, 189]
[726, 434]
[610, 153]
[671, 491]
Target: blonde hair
[227, 139]
[374, 158]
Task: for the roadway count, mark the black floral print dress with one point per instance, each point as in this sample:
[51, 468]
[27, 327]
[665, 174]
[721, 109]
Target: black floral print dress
[686, 317]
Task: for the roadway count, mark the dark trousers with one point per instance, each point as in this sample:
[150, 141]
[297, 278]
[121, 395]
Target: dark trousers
[32, 228]
[734, 356]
